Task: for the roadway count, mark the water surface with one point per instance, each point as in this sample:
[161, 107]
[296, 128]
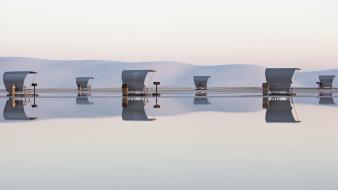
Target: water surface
[175, 141]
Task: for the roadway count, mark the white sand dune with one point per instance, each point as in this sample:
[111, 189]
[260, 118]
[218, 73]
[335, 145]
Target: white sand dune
[107, 74]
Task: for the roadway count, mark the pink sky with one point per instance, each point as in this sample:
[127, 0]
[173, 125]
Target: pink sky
[294, 33]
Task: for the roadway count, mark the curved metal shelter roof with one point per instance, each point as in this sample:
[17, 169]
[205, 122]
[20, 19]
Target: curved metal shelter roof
[83, 81]
[201, 82]
[279, 111]
[135, 79]
[326, 80]
[135, 111]
[16, 78]
[15, 112]
[280, 79]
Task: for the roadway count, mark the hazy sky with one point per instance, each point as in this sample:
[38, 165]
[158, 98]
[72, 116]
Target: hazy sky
[301, 33]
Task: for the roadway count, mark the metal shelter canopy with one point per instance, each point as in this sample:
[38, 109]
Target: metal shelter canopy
[201, 82]
[280, 79]
[16, 78]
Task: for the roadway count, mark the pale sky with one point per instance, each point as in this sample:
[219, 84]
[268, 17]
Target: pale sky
[293, 33]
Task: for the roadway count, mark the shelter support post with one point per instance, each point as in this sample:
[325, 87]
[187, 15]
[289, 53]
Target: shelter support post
[125, 89]
[265, 87]
[13, 89]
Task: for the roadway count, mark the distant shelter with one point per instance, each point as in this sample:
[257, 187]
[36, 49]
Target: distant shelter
[325, 81]
[201, 82]
[14, 82]
[83, 83]
[134, 81]
[278, 81]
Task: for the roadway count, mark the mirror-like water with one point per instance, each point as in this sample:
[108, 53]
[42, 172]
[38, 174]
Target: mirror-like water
[175, 141]
[278, 109]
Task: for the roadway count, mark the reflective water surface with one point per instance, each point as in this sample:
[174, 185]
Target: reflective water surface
[174, 141]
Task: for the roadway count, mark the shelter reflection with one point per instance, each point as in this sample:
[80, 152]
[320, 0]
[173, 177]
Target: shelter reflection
[326, 98]
[279, 110]
[82, 98]
[157, 105]
[134, 109]
[201, 98]
[15, 109]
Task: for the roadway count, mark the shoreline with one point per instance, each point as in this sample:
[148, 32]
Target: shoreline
[180, 89]
[167, 92]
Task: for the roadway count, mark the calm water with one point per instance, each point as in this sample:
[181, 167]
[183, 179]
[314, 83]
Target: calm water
[176, 141]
